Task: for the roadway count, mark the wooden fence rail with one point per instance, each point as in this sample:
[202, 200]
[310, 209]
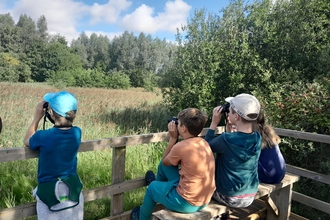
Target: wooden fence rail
[118, 186]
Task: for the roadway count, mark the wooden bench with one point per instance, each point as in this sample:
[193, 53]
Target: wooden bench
[272, 199]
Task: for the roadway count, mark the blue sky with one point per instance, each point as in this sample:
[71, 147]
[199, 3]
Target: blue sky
[69, 18]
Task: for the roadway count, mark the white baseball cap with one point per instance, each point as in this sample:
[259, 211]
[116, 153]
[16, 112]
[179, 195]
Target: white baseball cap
[245, 104]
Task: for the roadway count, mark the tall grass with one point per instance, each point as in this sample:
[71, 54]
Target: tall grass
[101, 114]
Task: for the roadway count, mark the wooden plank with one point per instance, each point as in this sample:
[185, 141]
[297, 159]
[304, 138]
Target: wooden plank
[211, 210]
[303, 135]
[308, 174]
[23, 153]
[127, 185]
[257, 215]
[266, 189]
[311, 202]
[126, 215]
[260, 213]
[282, 199]
[218, 130]
[17, 153]
[214, 209]
[113, 189]
[27, 210]
[97, 193]
[18, 212]
[118, 176]
[271, 204]
[294, 216]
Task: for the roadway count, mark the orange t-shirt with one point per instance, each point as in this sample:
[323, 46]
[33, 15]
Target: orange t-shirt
[197, 181]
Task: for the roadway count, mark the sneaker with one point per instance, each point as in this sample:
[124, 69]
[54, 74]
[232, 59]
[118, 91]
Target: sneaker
[135, 214]
[150, 176]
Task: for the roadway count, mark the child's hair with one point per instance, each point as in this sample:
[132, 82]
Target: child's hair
[268, 134]
[194, 119]
[65, 121]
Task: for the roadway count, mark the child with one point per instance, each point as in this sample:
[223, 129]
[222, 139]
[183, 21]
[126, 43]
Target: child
[271, 166]
[59, 187]
[237, 153]
[185, 177]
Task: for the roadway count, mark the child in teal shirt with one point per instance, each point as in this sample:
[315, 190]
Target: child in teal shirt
[237, 153]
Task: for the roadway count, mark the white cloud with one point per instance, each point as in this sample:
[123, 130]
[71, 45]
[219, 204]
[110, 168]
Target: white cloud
[142, 20]
[62, 16]
[66, 17]
[108, 12]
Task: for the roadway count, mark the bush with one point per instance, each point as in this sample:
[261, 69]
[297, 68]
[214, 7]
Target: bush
[118, 80]
[12, 69]
[78, 78]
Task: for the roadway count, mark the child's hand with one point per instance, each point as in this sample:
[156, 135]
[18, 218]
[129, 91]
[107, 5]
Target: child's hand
[40, 111]
[216, 117]
[173, 129]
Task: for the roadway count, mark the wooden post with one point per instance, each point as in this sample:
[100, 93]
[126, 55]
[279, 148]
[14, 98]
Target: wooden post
[282, 199]
[118, 176]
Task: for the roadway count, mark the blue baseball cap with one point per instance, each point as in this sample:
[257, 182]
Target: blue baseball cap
[61, 102]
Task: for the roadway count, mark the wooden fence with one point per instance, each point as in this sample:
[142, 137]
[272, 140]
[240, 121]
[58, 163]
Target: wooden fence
[118, 185]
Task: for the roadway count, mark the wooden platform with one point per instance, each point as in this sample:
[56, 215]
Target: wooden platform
[257, 210]
[275, 201]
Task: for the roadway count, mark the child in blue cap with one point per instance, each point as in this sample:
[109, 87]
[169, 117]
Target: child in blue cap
[59, 187]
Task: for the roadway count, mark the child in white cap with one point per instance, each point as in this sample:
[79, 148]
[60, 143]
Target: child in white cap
[237, 153]
[59, 187]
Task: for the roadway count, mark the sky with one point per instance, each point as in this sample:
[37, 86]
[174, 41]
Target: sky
[110, 18]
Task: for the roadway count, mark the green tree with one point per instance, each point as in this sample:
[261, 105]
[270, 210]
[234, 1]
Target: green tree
[123, 52]
[99, 47]
[57, 57]
[79, 47]
[8, 34]
[42, 28]
[191, 81]
[26, 31]
[34, 59]
[12, 69]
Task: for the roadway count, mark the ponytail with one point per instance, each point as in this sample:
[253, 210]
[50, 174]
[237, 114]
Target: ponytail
[268, 134]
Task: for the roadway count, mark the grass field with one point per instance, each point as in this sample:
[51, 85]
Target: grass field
[101, 114]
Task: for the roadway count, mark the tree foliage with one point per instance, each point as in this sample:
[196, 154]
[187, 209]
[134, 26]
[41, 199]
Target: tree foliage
[276, 50]
[140, 58]
[12, 69]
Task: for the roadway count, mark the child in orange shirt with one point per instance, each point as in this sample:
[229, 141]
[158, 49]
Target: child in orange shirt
[185, 178]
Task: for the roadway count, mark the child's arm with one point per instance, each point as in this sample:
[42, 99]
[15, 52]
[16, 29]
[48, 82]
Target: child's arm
[40, 111]
[173, 131]
[216, 117]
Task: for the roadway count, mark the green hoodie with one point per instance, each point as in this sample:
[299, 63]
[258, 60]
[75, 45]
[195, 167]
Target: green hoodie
[236, 161]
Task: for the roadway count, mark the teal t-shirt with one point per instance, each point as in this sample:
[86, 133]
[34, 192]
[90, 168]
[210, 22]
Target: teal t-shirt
[57, 152]
[236, 161]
